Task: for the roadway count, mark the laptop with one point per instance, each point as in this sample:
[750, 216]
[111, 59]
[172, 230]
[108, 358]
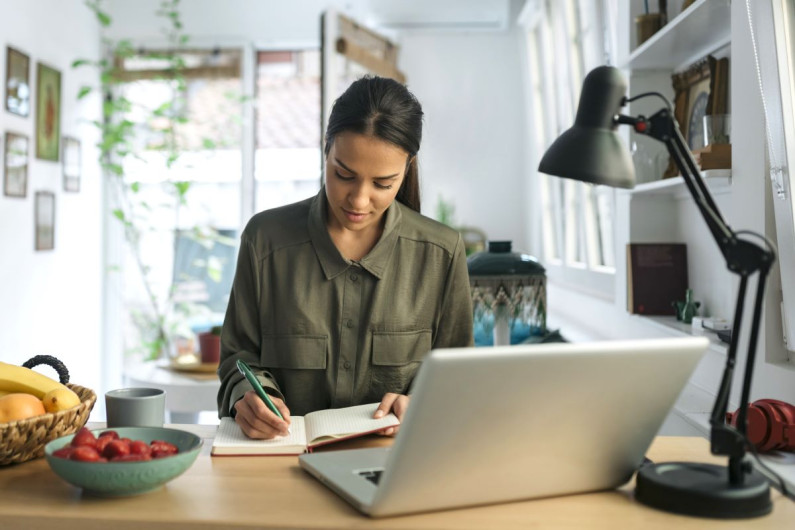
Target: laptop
[492, 425]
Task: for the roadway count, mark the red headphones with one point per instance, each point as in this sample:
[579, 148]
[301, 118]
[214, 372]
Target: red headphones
[771, 425]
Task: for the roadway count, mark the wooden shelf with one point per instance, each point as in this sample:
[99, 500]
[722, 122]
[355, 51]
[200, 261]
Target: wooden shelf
[680, 329]
[701, 29]
[717, 181]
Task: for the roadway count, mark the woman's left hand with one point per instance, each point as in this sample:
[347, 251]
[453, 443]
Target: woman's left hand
[396, 403]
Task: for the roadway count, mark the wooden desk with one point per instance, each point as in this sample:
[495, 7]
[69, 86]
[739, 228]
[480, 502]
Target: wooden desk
[273, 492]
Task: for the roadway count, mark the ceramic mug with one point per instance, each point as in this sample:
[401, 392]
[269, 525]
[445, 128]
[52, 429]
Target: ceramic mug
[135, 407]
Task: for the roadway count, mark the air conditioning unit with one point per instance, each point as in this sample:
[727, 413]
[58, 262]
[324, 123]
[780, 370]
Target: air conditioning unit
[453, 15]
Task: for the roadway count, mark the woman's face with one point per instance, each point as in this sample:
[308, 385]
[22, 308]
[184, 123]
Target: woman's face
[363, 176]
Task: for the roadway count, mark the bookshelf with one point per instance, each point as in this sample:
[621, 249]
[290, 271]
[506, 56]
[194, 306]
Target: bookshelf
[696, 32]
[717, 181]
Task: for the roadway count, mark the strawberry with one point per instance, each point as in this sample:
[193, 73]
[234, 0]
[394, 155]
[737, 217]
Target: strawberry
[63, 452]
[112, 434]
[116, 448]
[103, 442]
[84, 453]
[139, 447]
[84, 437]
[162, 449]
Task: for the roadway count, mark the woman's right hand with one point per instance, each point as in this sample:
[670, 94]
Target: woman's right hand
[257, 420]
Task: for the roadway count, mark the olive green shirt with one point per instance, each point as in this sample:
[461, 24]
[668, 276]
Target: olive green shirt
[321, 331]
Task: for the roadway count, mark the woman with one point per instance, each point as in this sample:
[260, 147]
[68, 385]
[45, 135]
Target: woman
[337, 298]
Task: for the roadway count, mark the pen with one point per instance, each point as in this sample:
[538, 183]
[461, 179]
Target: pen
[246, 371]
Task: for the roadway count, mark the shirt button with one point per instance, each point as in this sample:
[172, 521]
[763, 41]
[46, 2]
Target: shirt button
[346, 365]
[349, 323]
[354, 277]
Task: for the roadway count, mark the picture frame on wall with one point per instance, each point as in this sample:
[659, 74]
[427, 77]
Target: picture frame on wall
[15, 165]
[45, 220]
[71, 164]
[17, 82]
[48, 113]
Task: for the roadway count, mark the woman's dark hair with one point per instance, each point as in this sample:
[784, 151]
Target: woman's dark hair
[385, 109]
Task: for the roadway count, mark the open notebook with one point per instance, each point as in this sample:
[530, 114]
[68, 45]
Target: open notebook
[306, 432]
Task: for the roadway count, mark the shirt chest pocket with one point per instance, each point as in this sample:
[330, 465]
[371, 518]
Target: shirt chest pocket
[399, 348]
[395, 361]
[297, 352]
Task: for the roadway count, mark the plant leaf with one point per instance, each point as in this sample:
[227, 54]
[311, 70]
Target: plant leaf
[182, 187]
[104, 18]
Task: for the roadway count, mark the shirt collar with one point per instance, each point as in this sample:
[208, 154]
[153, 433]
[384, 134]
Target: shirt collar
[331, 261]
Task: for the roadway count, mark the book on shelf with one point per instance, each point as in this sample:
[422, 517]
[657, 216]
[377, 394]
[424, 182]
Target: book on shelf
[656, 277]
[306, 432]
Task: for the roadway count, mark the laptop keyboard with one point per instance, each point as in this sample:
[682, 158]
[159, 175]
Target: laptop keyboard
[373, 475]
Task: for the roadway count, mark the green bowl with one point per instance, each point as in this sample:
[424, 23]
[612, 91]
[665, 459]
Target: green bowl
[116, 479]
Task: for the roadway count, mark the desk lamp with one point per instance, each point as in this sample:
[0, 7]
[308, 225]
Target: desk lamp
[591, 151]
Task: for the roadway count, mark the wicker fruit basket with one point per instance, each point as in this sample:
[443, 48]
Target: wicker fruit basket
[24, 440]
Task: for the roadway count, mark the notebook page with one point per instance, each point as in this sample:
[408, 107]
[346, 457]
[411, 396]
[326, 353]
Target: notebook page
[230, 440]
[339, 423]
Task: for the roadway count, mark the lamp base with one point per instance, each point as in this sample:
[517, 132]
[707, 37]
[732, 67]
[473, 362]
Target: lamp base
[702, 490]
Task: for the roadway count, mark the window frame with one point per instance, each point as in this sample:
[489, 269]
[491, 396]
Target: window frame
[569, 245]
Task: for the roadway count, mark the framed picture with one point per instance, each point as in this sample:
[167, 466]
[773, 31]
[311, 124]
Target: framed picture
[15, 181]
[48, 113]
[691, 89]
[17, 82]
[45, 220]
[700, 90]
[71, 164]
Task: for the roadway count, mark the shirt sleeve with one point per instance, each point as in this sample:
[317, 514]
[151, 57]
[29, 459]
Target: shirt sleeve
[241, 335]
[455, 327]
[455, 319]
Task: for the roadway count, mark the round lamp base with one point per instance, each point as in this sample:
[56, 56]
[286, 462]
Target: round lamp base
[702, 490]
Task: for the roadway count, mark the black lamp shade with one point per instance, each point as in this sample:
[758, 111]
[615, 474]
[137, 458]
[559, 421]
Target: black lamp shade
[591, 151]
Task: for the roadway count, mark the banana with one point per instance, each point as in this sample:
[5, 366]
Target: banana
[20, 379]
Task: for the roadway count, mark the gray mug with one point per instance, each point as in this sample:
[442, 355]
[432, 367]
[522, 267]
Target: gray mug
[135, 407]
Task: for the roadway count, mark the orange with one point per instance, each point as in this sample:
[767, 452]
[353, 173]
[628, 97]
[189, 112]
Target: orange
[19, 406]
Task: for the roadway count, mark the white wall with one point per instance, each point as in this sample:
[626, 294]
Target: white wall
[50, 300]
[469, 84]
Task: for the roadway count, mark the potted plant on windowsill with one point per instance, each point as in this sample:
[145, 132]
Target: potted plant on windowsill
[210, 345]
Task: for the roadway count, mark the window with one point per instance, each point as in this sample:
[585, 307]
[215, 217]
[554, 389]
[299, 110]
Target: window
[287, 158]
[565, 41]
[188, 186]
[181, 191]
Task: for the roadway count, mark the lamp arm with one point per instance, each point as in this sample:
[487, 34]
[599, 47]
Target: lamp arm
[662, 127]
[742, 258]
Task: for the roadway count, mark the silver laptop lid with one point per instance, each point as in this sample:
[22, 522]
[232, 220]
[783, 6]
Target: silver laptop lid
[490, 425]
